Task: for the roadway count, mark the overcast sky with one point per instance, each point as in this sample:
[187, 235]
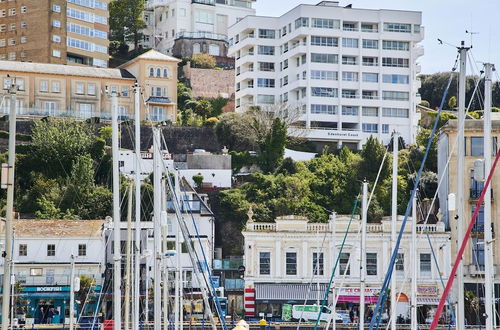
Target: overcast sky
[444, 19]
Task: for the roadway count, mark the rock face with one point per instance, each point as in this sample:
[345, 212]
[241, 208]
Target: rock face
[179, 139]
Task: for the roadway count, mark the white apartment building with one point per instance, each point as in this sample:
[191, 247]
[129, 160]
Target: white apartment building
[351, 72]
[283, 258]
[186, 27]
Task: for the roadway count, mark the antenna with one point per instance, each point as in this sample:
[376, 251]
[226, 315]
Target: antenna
[472, 33]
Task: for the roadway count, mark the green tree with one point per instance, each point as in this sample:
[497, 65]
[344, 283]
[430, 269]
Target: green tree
[202, 108]
[126, 22]
[184, 94]
[203, 61]
[234, 130]
[272, 147]
[452, 102]
[372, 154]
[198, 180]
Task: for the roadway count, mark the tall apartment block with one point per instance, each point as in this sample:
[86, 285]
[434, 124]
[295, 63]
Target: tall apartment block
[55, 31]
[350, 72]
[186, 27]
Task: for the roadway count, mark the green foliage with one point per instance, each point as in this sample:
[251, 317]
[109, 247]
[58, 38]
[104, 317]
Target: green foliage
[211, 122]
[218, 104]
[425, 103]
[201, 107]
[443, 118]
[198, 180]
[234, 130]
[452, 102]
[183, 95]
[241, 159]
[126, 22]
[272, 147]
[373, 153]
[203, 61]
[105, 133]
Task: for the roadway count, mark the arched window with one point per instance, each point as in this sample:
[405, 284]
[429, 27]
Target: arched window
[196, 48]
[151, 72]
[214, 50]
[165, 73]
[158, 72]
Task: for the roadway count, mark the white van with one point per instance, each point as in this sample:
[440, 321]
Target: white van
[310, 313]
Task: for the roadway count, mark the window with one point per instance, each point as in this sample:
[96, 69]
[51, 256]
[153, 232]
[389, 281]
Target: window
[291, 263]
[266, 66]
[3, 27]
[265, 82]
[44, 86]
[349, 110]
[395, 96]
[12, 56]
[324, 92]
[370, 95]
[158, 72]
[56, 38]
[20, 84]
[24, 39]
[204, 17]
[196, 48]
[318, 265]
[3, 13]
[267, 34]
[323, 23]
[165, 73]
[349, 60]
[369, 77]
[324, 58]
[370, 44]
[151, 72]
[370, 128]
[51, 250]
[370, 61]
[36, 271]
[86, 109]
[266, 50]
[12, 12]
[369, 27]
[397, 27]
[385, 129]
[12, 26]
[479, 224]
[347, 26]
[477, 146]
[56, 23]
[349, 76]
[400, 262]
[80, 88]
[2, 43]
[371, 264]
[125, 91]
[478, 253]
[395, 45]
[11, 42]
[349, 93]
[345, 268]
[56, 87]
[56, 8]
[324, 41]
[425, 263]
[324, 75]
[416, 28]
[395, 79]
[395, 62]
[350, 42]
[369, 111]
[325, 109]
[56, 53]
[82, 250]
[265, 263]
[395, 112]
[265, 99]
[91, 89]
[300, 22]
[24, 25]
[23, 250]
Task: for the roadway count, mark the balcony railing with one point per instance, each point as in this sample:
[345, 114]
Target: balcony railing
[202, 35]
[204, 2]
[235, 3]
[476, 193]
[349, 96]
[370, 97]
[64, 113]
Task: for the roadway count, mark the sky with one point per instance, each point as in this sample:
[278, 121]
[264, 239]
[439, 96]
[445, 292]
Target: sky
[444, 19]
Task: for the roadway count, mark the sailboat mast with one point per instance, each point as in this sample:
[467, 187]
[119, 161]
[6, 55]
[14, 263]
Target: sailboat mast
[128, 260]
[460, 183]
[117, 294]
[137, 181]
[157, 176]
[414, 256]
[9, 216]
[362, 268]
[488, 240]
[177, 256]
[394, 218]
[164, 236]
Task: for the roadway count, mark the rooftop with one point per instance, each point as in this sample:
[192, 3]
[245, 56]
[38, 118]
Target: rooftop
[472, 124]
[152, 55]
[64, 70]
[35, 228]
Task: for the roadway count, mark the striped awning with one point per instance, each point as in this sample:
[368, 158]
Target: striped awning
[428, 301]
[289, 291]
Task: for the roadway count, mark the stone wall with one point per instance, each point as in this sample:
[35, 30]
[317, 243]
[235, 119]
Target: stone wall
[210, 83]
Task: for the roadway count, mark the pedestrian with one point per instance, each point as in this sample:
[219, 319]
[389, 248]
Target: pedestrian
[50, 315]
[351, 315]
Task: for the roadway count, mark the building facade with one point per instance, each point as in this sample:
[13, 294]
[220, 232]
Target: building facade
[42, 253]
[80, 92]
[186, 27]
[349, 73]
[290, 262]
[473, 258]
[55, 31]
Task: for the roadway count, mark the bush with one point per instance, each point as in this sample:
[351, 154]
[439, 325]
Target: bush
[425, 103]
[211, 122]
[203, 61]
[198, 180]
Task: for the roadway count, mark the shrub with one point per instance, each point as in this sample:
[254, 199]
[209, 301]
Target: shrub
[203, 61]
[211, 122]
[198, 180]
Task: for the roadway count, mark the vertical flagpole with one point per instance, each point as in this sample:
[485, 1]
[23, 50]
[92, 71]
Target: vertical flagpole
[137, 181]
[157, 176]
[362, 268]
[413, 261]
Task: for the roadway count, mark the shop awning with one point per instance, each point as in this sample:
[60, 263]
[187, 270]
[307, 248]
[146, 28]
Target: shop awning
[356, 300]
[48, 295]
[289, 291]
[428, 301]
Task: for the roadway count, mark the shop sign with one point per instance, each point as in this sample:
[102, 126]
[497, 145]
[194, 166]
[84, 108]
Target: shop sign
[46, 289]
[215, 281]
[427, 291]
[356, 291]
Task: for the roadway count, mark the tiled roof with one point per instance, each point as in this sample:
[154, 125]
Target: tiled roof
[57, 228]
[65, 70]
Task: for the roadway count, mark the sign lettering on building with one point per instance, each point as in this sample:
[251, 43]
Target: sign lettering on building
[427, 291]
